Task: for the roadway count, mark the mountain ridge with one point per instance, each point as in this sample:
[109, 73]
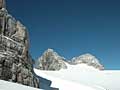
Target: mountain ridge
[51, 55]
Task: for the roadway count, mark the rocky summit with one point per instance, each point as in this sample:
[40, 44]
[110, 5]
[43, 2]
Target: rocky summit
[50, 60]
[15, 59]
[88, 59]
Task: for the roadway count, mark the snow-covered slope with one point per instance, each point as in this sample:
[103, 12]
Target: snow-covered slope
[83, 77]
[75, 77]
[83, 72]
[4, 85]
[64, 84]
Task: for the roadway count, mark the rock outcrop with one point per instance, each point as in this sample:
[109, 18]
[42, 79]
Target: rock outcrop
[2, 4]
[15, 60]
[50, 60]
[88, 59]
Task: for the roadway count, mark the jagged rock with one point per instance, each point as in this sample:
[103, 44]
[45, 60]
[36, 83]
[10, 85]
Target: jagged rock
[50, 60]
[15, 59]
[88, 59]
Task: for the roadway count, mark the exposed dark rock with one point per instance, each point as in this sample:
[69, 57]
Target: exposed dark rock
[15, 60]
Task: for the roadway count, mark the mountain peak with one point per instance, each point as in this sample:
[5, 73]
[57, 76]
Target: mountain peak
[88, 54]
[89, 59]
[50, 50]
[50, 60]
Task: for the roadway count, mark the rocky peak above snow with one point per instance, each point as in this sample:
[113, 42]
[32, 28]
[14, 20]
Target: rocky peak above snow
[88, 59]
[52, 53]
[49, 50]
[50, 60]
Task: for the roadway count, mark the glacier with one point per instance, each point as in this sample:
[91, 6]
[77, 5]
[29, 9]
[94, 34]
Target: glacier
[82, 76]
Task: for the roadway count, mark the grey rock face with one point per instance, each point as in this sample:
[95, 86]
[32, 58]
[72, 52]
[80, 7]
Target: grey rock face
[2, 4]
[50, 60]
[15, 60]
[87, 59]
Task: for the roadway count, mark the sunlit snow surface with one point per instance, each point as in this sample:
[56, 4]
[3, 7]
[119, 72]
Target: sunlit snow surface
[4, 85]
[82, 77]
[75, 77]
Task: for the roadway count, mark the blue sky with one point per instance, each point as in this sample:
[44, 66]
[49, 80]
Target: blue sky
[72, 27]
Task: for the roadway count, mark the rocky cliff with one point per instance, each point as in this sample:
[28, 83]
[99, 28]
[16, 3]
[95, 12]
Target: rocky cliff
[15, 59]
[50, 60]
